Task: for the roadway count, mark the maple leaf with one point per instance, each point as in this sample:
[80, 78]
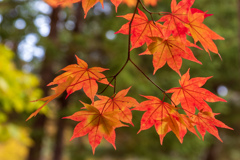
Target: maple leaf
[160, 114]
[116, 3]
[84, 77]
[170, 50]
[132, 3]
[86, 4]
[150, 2]
[174, 22]
[54, 3]
[62, 3]
[58, 91]
[195, 10]
[187, 125]
[97, 124]
[205, 121]
[200, 32]
[166, 125]
[141, 29]
[190, 95]
[118, 102]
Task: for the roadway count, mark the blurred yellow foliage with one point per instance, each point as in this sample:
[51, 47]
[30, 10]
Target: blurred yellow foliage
[16, 147]
[17, 88]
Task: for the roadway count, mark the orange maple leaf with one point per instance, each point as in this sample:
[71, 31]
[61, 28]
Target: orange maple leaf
[200, 32]
[97, 124]
[190, 95]
[150, 2]
[132, 3]
[160, 114]
[84, 77]
[62, 3]
[205, 121]
[118, 102]
[86, 4]
[58, 91]
[166, 125]
[170, 50]
[141, 29]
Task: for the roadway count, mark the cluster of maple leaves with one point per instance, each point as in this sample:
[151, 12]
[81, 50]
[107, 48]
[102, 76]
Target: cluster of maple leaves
[166, 40]
[88, 4]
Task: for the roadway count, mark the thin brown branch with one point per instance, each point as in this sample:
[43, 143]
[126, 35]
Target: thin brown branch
[129, 50]
[129, 55]
[164, 92]
[150, 12]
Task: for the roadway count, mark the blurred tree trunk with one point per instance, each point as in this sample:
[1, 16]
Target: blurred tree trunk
[211, 155]
[70, 58]
[37, 136]
[239, 27]
[46, 74]
[58, 146]
[213, 151]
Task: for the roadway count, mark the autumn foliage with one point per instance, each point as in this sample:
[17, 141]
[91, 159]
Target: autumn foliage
[167, 41]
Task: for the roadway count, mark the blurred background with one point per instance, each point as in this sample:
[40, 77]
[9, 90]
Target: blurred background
[36, 41]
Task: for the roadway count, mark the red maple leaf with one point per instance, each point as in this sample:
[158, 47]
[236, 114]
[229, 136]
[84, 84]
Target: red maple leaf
[84, 77]
[191, 95]
[97, 124]
[205, 121]
[162, 115]
[118, 102]
[141, 29]
[174, 22]
[195, 10]
[170, 50]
